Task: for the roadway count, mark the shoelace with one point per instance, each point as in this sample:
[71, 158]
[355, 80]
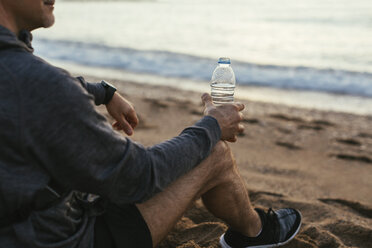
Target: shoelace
[273, 219]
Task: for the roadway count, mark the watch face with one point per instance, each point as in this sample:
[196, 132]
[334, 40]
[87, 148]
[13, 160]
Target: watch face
[104, 83]
[107, 85]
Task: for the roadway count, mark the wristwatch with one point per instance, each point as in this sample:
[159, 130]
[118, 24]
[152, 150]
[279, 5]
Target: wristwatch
[110, 90]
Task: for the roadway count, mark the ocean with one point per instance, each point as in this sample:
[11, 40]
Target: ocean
[313, 48]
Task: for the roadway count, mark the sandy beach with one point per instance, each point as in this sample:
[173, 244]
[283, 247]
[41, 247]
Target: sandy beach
[316, 161]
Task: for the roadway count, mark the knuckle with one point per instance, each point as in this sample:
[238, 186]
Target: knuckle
[132, 111]
[241, 127]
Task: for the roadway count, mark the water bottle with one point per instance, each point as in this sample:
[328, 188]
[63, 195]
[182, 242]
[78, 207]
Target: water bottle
[223, 83]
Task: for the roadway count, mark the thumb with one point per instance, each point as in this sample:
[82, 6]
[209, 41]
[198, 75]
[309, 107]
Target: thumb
[207, 100]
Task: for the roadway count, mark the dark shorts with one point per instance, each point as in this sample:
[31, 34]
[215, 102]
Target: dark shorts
[121, 226]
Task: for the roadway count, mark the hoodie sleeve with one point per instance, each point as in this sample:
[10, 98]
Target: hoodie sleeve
[80, 150]
[96, 89]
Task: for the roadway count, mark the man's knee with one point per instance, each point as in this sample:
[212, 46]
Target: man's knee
[223, 157]
[221, 148]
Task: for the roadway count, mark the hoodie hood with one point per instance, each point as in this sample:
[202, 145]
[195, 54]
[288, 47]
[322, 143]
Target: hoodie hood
[10, 40]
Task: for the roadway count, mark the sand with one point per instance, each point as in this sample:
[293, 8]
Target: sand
[318, 162]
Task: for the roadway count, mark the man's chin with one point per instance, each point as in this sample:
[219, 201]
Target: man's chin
[48, 23]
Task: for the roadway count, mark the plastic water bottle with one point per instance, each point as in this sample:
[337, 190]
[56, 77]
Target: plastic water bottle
[223, 82]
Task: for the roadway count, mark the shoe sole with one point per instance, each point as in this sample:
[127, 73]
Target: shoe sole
[225, 245]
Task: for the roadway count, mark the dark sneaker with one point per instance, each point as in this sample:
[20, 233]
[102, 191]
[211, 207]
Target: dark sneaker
[278, 228]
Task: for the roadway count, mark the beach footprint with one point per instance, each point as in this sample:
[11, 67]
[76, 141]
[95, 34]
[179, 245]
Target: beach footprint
[353, 157]
[356, 207]
[288, 145]
[348, 141]
[365, 135]
[157, 103]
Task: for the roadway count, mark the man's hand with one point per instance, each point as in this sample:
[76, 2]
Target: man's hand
[123, 112]
[227, 115]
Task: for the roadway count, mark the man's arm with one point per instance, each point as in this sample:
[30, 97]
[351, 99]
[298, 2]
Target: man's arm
[80, 150]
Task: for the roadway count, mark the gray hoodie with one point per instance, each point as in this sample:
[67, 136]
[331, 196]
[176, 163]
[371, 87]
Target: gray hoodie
[50, 130]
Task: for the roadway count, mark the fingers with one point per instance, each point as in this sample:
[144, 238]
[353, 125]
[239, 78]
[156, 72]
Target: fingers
[125, 126]
[240, 116]
[207, 100]
[235, 115]
[116, 125]
[132, 118]
[232, 139]
[233, 136]
[240, 128]
[239, 106]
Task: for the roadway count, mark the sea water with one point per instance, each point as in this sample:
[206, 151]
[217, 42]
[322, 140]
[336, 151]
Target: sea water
[306, 46]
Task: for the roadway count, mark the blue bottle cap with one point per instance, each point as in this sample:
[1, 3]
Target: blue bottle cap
[224, 61]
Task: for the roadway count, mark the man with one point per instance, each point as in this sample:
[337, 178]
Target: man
[54, 146]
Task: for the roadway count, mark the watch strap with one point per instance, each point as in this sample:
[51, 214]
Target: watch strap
[109, 91]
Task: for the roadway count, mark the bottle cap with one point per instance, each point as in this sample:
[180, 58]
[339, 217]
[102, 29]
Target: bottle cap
[224, 61]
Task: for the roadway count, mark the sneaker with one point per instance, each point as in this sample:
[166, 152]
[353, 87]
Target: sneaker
[278, 228]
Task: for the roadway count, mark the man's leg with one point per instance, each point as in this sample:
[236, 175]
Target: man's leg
[219, 184]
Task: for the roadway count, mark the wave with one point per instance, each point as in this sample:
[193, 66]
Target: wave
[169, 64]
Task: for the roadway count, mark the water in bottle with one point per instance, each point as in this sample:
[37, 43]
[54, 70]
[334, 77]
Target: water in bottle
[223, 82]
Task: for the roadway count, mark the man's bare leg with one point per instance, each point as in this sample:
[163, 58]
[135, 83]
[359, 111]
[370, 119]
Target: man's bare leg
[219, 184]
